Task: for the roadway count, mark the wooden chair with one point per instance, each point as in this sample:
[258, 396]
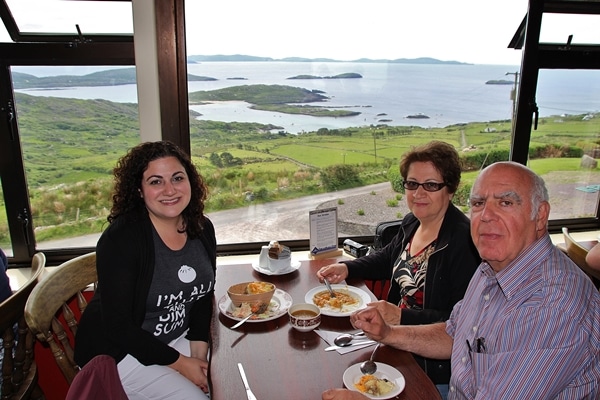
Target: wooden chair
[19, 370]
[577, 253]
[48, 310]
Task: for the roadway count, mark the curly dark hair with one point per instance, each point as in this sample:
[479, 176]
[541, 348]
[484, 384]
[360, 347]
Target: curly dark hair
[442, 155]
[128, 180]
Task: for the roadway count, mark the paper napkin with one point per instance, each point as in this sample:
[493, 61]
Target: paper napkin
[328, 337]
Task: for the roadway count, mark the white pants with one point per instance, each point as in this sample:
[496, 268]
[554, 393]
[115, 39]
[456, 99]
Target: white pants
[142, 382]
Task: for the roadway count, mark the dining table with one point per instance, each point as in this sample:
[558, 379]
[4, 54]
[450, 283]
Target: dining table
[283, 363]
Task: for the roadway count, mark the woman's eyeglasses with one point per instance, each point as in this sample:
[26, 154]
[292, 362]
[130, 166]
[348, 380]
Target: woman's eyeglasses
[428, 186]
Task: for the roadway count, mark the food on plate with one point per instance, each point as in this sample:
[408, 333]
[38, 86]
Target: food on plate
[278, 251]
[258, 287]
[246, 309]
[342, 300]
[374, 386]
[251, 293]
[275, 257]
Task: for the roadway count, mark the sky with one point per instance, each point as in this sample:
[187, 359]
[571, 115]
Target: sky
[471, 31]
[474, 31]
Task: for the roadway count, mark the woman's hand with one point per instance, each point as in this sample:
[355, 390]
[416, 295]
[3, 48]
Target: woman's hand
[390, 312]
[199, 350]
[342, 394]
[335, 273]
[193, 369]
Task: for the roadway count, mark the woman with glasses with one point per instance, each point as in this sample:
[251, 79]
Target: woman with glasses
[432, 258]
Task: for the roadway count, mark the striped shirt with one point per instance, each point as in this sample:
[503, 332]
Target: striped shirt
[530, 331]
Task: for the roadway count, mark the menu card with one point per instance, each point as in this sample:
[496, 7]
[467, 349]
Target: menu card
[323, 233]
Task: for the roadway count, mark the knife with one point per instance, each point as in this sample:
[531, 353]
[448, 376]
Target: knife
[364, 342]
[249, 393]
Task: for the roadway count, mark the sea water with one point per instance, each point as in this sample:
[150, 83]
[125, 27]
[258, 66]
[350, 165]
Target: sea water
[387, 93]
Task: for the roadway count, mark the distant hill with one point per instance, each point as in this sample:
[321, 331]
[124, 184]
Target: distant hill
[347, 75]
[111, 77]
[242, 58]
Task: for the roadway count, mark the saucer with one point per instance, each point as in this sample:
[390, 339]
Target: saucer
[293, 267]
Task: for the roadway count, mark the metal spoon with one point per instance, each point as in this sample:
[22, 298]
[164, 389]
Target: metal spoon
[369, 367]
[331, 292]
[346, 338]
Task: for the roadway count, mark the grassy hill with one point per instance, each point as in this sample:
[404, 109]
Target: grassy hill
[70, 147]
[111, 77]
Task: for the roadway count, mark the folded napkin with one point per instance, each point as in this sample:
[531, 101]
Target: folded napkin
[328, 337]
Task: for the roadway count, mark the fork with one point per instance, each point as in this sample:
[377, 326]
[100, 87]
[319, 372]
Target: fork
[249, 393]
[260, 310]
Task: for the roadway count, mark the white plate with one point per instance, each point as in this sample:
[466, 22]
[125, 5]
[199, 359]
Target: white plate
[293, 267]
[280, 303]
[363, 299]
[352, 375]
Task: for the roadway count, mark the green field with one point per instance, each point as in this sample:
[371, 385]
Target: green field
[70, 147]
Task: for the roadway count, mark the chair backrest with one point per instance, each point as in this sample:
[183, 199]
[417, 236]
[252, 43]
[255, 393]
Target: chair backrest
[577, 253]
[19, 371]
[48, 310]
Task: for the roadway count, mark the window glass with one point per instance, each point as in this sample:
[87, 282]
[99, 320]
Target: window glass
[61, 17]
[74, 123]
[566, 145]
[556, 28]
[5, 244]
[364, 84]
[4, 36]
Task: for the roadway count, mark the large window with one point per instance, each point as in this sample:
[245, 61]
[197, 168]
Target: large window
[291, 109]
[74, 124]
[384, 78]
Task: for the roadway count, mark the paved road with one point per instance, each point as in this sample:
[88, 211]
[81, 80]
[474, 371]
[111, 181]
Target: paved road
[276, 220]
[257, 223]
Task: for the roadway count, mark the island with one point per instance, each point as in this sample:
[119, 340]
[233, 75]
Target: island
[418, 116]
[348, 75]
[277, 98]
[499, 82]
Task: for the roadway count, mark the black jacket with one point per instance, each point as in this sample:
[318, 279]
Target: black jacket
[449, 271]
[112, 321]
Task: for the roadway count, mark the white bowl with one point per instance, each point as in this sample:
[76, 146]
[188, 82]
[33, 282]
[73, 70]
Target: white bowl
[304, 317]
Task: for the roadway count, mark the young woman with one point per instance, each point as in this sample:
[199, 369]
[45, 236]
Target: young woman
[156, 271]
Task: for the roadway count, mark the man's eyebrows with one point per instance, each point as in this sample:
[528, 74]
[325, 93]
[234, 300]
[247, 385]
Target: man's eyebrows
[504, 195]
[509, 194]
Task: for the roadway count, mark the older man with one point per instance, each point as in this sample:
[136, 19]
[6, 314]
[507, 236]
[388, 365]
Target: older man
[529, 324]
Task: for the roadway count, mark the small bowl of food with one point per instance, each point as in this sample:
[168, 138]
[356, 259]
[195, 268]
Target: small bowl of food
[251, 293]
[304, 317]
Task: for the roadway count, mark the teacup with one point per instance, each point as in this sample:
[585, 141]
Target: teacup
[304, 317]
[272, 264]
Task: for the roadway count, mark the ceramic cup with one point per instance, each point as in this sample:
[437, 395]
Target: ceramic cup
[272, 264]
[304, 317]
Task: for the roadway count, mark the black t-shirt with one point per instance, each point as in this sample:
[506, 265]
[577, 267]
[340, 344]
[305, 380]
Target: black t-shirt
[180, 278]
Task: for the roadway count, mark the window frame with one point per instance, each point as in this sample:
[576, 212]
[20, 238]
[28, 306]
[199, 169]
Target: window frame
[537, 56]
